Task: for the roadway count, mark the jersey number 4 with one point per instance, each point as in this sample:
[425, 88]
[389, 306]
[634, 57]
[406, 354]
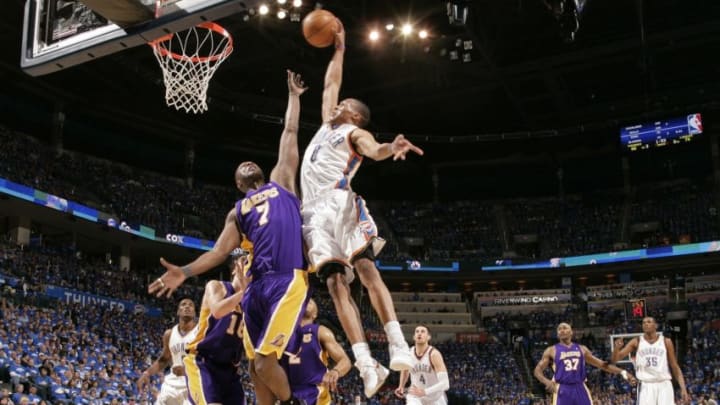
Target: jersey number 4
[571, 364]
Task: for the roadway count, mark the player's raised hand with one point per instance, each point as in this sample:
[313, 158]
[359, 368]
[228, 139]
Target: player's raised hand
[296, 86]
[619, 343]
[340, 35]
[400, 392]
[401, 146]
[166, 284]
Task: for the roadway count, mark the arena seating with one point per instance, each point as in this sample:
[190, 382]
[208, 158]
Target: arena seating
[459, 230]
[122, 344]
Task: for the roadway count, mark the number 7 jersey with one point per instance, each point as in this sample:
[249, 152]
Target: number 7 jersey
[269, 219]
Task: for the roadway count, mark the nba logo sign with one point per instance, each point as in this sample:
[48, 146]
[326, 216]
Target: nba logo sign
[695, 124]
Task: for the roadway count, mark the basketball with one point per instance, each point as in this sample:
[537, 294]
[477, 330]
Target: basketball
[319, 28]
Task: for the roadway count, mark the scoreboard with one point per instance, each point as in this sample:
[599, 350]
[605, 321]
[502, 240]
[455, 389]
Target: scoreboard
[661, 133]
[635, 309]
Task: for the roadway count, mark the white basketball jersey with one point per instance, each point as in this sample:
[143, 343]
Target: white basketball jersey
[422, 373]
[330, 161]
[651, 361]
[177, 351]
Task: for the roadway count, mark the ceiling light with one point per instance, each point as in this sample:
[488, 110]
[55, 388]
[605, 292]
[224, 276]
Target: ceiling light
[407, 29]
[282, 1]
[423, 34]
[297, 3]
[374, 35]
[390, 27]
[264, 9]
[281, 14]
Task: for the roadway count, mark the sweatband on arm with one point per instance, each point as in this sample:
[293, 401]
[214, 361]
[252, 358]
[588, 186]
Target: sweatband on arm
[443, 384]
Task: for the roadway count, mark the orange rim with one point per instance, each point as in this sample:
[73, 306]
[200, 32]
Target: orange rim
[159, 45]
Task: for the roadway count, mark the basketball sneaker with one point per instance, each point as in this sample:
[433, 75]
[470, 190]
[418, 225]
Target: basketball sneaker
[400, 357]
[373, 375]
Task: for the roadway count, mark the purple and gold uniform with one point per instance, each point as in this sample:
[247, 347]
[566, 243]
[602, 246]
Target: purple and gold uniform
[307, 369]
[570, 374]
[211, 365]
[274, 301]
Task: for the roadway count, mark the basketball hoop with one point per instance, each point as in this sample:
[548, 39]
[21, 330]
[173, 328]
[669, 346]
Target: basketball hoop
[188, 60]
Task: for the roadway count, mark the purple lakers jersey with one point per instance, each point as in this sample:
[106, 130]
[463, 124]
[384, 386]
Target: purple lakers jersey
[219, 340]
[569, 364]
[310, 365]
[269, 218]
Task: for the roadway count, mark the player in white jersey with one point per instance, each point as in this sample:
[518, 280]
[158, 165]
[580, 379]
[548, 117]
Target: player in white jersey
[654, 358]
[339, 232]
[174, 388]
[428, 375]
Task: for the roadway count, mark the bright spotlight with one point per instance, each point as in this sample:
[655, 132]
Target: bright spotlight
[281, 14]
[390, 27]
[282, 1]
[297, 3]
[423, 34]
[374, 35]
[264, 9]
[407, 29]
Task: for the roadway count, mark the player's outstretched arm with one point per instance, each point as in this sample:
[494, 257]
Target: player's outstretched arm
[158, 365]
[619, 352]
[285, 170]
[366, 145]
[605, 366]
[333, 75]
[336, 352]
[677, 372]
[175, 275]
[547, 359]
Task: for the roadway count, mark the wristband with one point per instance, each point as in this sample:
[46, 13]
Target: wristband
[624, 374]
[187, 271]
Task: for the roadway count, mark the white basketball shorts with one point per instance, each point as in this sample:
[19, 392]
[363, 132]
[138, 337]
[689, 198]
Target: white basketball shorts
[337, 226]
[656, 393]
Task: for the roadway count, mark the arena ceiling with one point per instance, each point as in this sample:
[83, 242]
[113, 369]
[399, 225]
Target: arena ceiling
[629, 59]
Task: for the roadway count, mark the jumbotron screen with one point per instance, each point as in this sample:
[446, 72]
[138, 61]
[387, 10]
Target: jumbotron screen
[661, 133]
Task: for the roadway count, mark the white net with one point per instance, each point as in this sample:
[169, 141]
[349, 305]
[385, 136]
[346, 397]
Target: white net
[188, 60]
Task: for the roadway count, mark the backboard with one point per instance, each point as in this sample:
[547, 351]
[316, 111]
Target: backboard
[58, 34]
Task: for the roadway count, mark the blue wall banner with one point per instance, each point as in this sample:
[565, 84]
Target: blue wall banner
[78, 297]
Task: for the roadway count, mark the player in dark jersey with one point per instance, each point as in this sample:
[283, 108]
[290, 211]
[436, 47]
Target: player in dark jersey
[268, 220]
[310, 378]
[213, 357]
[568, 362]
